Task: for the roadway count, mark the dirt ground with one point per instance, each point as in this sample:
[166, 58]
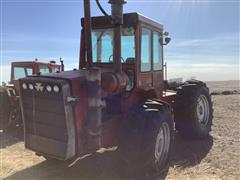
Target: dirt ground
[217, 157]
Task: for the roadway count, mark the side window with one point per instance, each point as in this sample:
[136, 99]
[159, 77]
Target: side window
[145, 50]
[21, 72]
[157, 52]
[44, 69]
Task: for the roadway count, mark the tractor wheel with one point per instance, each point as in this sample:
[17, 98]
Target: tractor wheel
[5, 109]
[193, 112]
[147, 138]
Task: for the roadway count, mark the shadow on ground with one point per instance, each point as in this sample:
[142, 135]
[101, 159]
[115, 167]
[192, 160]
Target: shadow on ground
[188, 153]
[11, 137]
[106, 166]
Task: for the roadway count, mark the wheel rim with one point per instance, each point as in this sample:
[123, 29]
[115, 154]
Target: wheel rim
[202, 110]
[162, 143]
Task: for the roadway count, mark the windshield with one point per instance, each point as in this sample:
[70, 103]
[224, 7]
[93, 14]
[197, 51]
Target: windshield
[55, 69]
[21, 72]
[102, 45]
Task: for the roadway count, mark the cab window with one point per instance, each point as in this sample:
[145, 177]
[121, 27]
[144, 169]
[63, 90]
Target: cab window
[55, 69]
[157, 52]
[145, 50]
[102, 45]
[21, 72]
[44, 69]
[128, 45]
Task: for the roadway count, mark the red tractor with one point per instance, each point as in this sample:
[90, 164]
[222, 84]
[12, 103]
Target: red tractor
[117, 97]
[10, 114]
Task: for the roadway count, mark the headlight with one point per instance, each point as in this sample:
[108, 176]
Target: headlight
[24, 86]
[49, 88]
[56, 88]
[31, 86]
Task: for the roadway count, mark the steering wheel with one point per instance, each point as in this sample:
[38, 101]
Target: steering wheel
[109, 59]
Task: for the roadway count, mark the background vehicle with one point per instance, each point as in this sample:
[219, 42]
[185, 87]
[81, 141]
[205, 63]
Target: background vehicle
[118, 97]
[10, 114]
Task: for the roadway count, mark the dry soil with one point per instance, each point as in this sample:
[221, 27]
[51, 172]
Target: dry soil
[217, 157]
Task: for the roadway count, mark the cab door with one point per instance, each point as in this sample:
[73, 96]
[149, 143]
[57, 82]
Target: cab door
[150, 76]
[145, 80]
[157, 63]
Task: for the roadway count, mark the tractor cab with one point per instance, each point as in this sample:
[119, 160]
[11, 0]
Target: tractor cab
[23, 69]
[27, 68]
[142, 41]
[10, 114]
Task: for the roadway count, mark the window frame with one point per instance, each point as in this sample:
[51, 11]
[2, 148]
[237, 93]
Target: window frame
[159, 31]
[161, 47]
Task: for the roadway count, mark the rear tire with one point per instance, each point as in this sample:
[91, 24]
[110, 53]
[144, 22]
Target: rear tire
[147, 138]
[193, 112]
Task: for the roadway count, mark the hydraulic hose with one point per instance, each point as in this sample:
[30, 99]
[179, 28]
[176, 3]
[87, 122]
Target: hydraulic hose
[105, 13]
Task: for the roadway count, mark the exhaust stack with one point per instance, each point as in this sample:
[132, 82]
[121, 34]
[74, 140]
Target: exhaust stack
[88, 33]
[117, 14]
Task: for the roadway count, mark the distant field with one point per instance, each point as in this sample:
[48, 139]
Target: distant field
[217, 157]
[223, 85]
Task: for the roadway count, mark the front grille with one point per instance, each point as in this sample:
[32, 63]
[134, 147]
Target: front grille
[44, 114]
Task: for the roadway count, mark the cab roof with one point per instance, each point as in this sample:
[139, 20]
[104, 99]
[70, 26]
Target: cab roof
[129, 19]
[33, 62]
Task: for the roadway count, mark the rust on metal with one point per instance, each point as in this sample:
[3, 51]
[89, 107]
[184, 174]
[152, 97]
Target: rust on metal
[88, 32]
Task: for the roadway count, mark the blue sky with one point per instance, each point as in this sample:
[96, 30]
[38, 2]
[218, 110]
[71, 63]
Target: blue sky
[205, 34]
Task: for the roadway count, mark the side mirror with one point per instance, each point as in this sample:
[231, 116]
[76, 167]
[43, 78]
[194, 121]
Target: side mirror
[167, 40]
[166, 33]
[164, 41]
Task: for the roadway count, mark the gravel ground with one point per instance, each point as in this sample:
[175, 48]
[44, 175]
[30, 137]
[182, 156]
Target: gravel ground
[217, 157]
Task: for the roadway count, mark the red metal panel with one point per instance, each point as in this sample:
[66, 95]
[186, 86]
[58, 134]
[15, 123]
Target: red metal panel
[145, 80]
[169, 97]
[158, 82]
[79, 90]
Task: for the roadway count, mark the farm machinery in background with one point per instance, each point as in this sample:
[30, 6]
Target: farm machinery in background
[117, 97]
[10, 113]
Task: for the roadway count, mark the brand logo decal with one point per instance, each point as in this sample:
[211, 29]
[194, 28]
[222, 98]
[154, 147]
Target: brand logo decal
[39, 87]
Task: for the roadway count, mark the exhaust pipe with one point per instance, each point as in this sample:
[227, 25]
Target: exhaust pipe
[117, 10]
[117, 14]
[88, 33]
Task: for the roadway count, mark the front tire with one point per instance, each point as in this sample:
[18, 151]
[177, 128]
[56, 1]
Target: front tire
[193, 112]
[147, 138]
